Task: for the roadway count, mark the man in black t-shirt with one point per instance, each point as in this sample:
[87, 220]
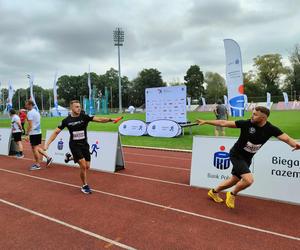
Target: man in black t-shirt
[254, 133]
[76, 122]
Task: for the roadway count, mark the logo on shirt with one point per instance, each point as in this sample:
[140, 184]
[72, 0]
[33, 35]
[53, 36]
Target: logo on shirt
[252, 130]
[221, 159]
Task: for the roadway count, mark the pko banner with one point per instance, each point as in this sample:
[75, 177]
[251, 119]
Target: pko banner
[234, 77]
[276, 168]
[105, 149]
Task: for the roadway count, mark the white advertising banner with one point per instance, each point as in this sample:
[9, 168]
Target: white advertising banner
[275, 167]
[5, 135]
[164, 128]
[105, 149]
[133, 128]
[234, 77]
[166, 103]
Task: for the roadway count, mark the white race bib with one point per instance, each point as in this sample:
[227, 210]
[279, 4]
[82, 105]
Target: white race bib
[78, 135]
[252, 148]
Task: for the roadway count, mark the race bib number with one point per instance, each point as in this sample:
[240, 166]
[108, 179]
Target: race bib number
[78, 135]
[252, 148]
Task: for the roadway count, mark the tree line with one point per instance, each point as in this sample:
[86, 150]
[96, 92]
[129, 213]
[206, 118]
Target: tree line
[268, 75]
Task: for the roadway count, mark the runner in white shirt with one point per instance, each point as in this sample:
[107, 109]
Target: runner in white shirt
[35, 136]
[16, 128]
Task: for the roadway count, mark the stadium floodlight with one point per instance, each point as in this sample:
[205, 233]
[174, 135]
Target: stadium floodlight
[118, 36]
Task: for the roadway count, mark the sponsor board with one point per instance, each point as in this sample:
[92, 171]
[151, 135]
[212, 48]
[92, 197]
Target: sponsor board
[276, 169]
[133, 128]
[164, 128]
[105, 149]
[5, 140]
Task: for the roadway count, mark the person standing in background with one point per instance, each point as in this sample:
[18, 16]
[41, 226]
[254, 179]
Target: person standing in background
[23, 117]
[221, 114]
[16, 128]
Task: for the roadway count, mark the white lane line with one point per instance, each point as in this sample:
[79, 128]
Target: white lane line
[159, 156]
[165, 207]
[97, 236]
[156, 148]
[150, 179]
[127, 175]
[155, 165]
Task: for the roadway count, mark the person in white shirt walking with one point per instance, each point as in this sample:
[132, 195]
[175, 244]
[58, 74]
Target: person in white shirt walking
[34, 135]
[16, 128]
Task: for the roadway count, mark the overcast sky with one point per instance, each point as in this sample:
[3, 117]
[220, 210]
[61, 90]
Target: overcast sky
[41, 37]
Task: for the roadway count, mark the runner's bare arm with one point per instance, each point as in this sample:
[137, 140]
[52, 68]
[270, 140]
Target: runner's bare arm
[290, 141]
[221, 123]
[29, 127]
[102, 119]
[52, 138]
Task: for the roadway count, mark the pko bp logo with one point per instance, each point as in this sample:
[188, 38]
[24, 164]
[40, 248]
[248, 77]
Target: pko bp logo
[221, 159]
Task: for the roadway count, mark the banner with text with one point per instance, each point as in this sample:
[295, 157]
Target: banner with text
[234, 77]
[105, 149]
[276, 168]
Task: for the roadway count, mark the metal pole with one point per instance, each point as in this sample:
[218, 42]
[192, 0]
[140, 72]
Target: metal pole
[120, 95]
[111, 99]
[42, 101]
[19, 99]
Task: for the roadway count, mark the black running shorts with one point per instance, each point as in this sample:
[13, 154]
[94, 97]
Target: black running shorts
[17, 136]
[80, 151]
[35, 139]
[240, 165]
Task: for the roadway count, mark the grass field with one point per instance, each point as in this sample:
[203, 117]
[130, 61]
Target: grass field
[288, 121]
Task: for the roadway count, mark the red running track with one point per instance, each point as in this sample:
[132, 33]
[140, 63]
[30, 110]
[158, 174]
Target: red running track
[149, 205]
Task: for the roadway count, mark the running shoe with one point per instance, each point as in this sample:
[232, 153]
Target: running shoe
[230, 199]
[86, 189]
[19, 156]
[67, 157]
[35, 167]
[214, 196]
[49, 161]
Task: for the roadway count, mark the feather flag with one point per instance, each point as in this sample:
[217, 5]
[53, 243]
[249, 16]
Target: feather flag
[30, 78]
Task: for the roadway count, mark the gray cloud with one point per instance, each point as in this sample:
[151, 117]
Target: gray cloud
[45, 36]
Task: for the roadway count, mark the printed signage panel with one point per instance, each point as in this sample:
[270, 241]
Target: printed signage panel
[5, 135]
[105, 149]
[164, 128]
[133, 128]
[275, 167]
[166, 103]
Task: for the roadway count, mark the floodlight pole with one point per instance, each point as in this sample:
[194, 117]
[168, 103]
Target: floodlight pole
[119, 39]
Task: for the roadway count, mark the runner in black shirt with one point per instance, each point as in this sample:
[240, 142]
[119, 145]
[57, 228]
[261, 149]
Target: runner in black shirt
[77, 123]
[254, 133]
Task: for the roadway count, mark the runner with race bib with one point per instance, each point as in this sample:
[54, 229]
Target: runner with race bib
[77, 123]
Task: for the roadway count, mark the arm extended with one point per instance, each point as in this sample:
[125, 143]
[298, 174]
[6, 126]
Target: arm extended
[52, 138]
[221, 123]
[290, 141]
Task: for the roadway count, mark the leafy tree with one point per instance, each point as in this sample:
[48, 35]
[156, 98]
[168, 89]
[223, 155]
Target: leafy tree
[216, 88]
[147, 78]
[292, 83]
[253, 89]
[269, 72]
[194, 81]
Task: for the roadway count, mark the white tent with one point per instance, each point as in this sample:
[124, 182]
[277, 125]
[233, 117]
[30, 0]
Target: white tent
[60, 111]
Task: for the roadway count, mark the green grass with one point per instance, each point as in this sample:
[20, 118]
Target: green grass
[288, 121]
